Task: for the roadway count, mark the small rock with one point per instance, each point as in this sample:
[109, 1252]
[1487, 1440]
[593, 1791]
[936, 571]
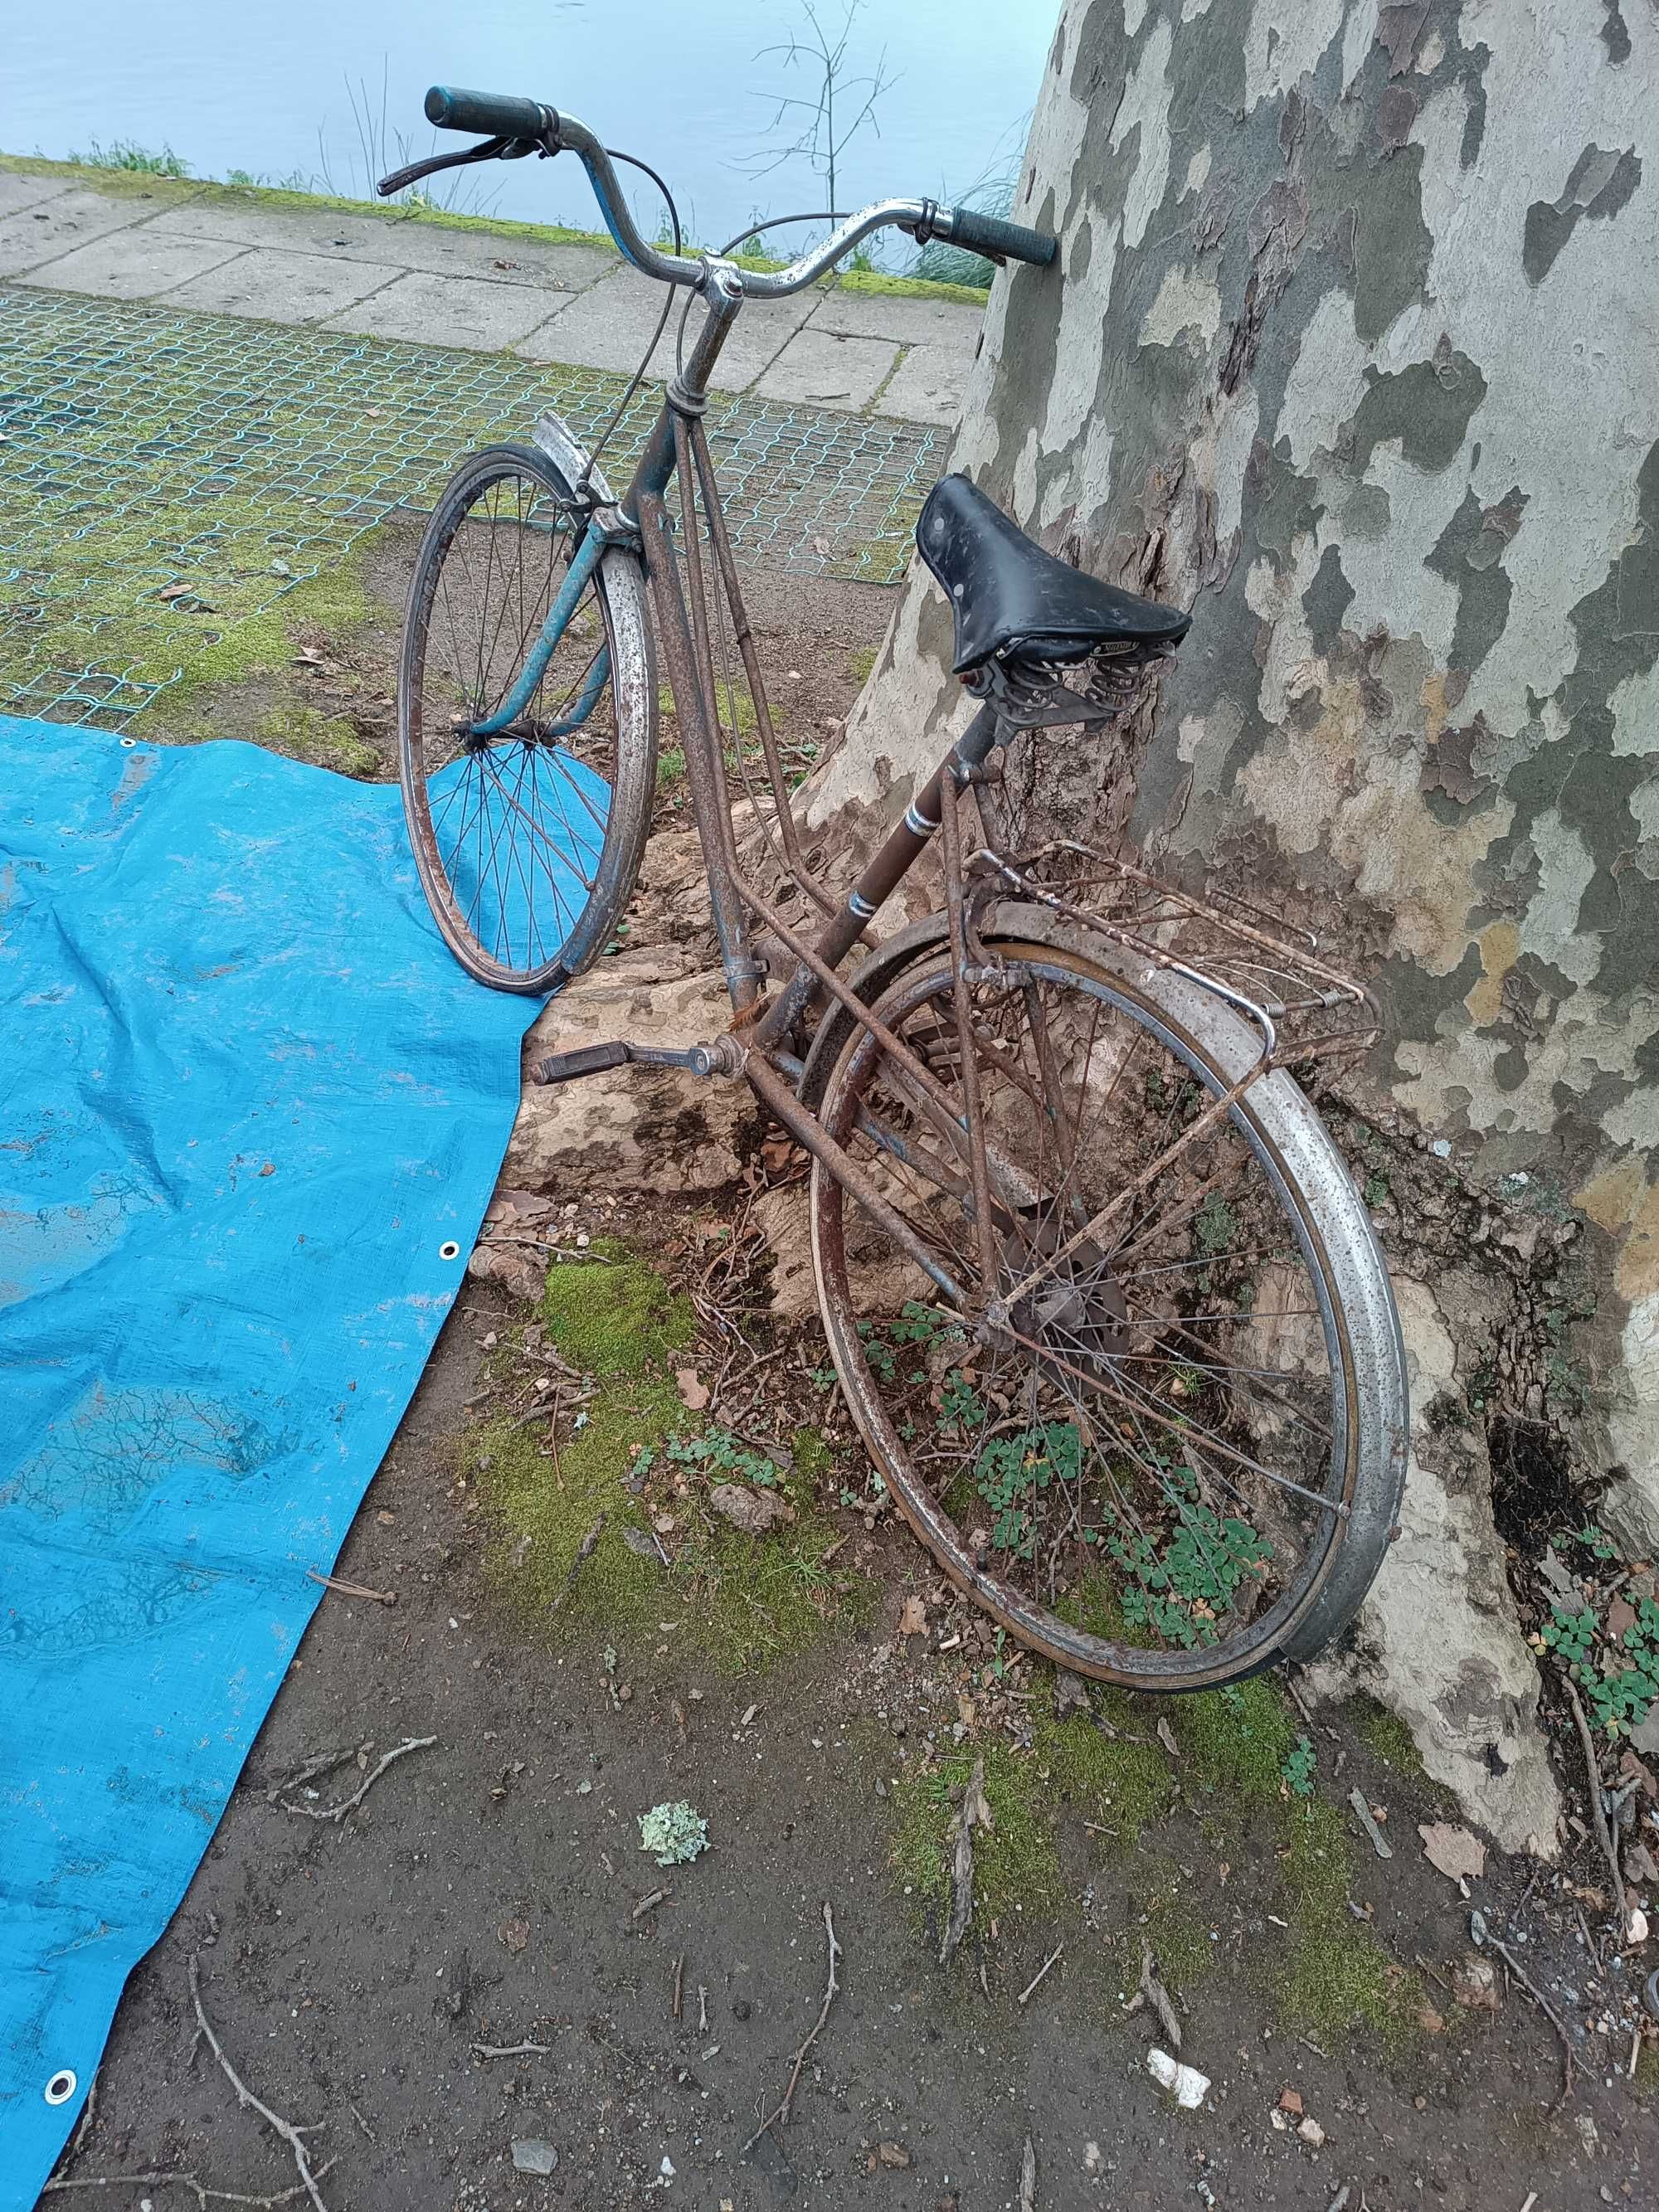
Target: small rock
[1475, 1984]
[1190, 2087]
[1636, 1926]
[532, 2155]
[1441, 1148]
[1290, 2101]
[1093, 2162]
[1312, 2133]
[740, 2008]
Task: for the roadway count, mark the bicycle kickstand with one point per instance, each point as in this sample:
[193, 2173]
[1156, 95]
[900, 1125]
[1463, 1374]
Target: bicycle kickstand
[595, 1059]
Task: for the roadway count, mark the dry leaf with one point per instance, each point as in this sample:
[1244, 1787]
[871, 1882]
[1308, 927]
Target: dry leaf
[754, 1511]
[1452, 1850]
[1429, 2020]
[174, 591]
[693, 1391]
[913, 1618]
[1166, 1737]
[515, 1934]
[1071, 1693]
[892, 2154]
[1290, 2100]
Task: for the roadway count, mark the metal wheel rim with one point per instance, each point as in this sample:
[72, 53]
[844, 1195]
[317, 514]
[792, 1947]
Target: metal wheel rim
[459, 501]
[1031, 1623]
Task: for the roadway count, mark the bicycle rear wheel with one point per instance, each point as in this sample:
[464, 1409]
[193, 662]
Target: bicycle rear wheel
[527, 840]
[1176, 1455]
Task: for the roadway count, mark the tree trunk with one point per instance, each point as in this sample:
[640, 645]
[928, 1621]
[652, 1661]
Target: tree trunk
[1350, 350]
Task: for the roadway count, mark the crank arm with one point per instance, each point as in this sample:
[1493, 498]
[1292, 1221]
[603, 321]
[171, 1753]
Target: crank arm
[708, 1059]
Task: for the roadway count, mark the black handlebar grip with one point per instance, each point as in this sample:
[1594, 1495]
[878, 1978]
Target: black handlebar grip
[1002, 241]
[490, 114]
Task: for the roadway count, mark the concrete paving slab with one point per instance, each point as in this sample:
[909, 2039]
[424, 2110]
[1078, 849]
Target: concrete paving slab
[271, 287]
[895, 315]
[491, 256]
[135, 265]
[828, 370]
[448, 311]
[609, 325]
[929, 385]
[69, 219]
[17, 191]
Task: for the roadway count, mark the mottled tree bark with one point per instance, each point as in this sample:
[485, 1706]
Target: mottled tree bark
[1351, 349]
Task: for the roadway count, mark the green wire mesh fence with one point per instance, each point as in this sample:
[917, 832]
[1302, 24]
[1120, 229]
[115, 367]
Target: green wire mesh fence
[165, 477]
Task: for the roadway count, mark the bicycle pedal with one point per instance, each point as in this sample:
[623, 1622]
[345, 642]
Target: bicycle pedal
[595, 1059]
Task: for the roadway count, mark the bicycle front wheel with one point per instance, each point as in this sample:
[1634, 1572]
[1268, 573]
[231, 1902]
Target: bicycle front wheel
[1159, 1435]
[528, 839]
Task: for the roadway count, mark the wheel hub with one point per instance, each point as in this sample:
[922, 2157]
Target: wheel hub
[1077, 1311]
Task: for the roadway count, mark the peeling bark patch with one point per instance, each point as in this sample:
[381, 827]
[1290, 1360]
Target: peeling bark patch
[1449, 765]
[1600, 187]
[1427, 407]
[1467, 554]
[1396, 112]
[1398, 30]
[1326, 600]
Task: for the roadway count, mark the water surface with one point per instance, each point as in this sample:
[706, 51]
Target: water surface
[262, 88]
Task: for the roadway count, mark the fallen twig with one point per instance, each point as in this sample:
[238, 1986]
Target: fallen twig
[350, 1804]
[679, 1982]
[351, 1589]
[1367, 1820]
[200, 2190]
[649, 1904]
[1597, 1810]
[1028, 2177]
[1158, 1997]
[292, 2136]
[1031, 1987]
[321, 1762]
[512, 2049]
[584, 1553]
[973, 1811]
[1482, 1934]
[830, 1987]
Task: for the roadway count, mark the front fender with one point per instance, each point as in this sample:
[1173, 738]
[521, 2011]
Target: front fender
[555, 438]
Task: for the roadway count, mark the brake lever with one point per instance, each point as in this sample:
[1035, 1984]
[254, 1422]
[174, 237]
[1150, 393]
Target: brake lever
[487, 149]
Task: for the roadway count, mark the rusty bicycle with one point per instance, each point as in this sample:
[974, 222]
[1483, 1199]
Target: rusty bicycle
[1101, 1295]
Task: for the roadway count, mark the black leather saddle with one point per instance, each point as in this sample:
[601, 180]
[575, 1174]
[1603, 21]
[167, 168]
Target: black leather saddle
[1008, 596]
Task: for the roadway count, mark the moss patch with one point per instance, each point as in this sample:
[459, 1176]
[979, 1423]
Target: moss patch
[743, 1601]
[1015, 1864]
[912, 287]
[1338, 1977]
[1386, 1736]
[1121, 1785]
[614, 1315]
[329, 741]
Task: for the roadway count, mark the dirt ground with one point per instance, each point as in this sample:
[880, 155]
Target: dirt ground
[490, 1891]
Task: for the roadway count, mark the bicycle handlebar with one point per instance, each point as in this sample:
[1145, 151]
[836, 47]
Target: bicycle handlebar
[524, 125]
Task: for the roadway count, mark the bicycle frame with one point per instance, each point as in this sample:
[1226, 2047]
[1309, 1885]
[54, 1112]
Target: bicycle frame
[773, 1041]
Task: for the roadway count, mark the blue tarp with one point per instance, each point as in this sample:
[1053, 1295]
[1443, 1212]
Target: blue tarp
[251, 1112]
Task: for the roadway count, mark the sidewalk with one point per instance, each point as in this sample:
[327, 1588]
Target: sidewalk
[840, 347]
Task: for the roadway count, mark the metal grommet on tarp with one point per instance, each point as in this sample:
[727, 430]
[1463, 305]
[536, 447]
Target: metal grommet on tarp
[449, 1250]
[129, 741]
[62, 2085]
